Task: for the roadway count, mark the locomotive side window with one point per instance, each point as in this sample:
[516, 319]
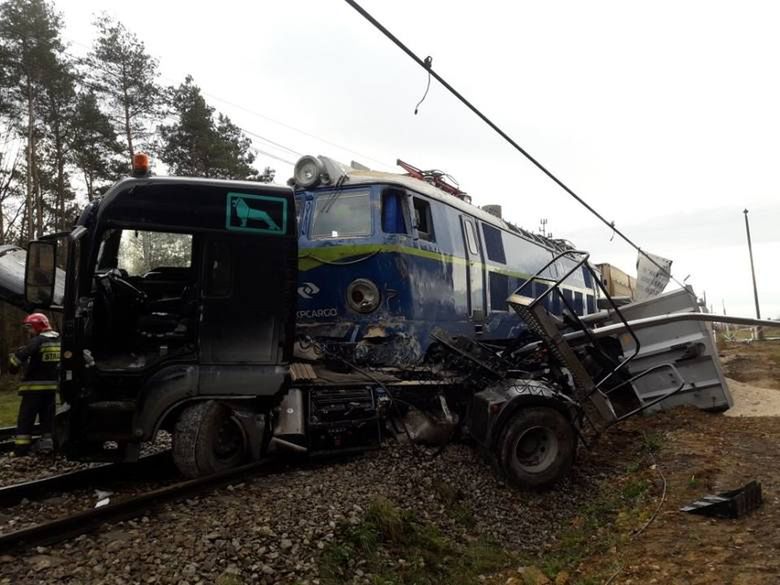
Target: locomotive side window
[578, 305]
[587, 277]
[341, 215]
[393, 221]
[494, 245]
[422, 219]
[471, 238]
[499, 291]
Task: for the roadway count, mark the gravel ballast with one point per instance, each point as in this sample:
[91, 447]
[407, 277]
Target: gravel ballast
[272, 529]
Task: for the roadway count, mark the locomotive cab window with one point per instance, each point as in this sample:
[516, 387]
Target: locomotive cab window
[423, 220]
[393, 221]
[341, 215]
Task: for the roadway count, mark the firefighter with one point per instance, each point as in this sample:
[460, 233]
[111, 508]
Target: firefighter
[40, 359]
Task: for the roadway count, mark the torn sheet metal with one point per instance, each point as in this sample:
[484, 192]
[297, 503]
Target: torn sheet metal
[689, 345]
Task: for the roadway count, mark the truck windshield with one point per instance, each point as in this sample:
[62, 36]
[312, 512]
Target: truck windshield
[341, 215]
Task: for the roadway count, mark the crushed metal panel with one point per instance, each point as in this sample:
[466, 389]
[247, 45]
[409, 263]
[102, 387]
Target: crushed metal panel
[688, 345]
[12, 264]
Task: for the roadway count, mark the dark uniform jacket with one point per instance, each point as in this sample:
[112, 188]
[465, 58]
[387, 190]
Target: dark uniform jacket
[42, 355]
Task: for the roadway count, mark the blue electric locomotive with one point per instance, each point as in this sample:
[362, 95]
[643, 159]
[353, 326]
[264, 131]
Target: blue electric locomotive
[385, 258]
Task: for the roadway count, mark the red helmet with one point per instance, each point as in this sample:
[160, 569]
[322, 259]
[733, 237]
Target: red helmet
[38, 321]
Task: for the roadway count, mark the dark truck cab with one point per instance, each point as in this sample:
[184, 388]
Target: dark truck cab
[179, 314]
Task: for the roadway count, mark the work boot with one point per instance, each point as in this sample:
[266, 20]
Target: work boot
[22, 444]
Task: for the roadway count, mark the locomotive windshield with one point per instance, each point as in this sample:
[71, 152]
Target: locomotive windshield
[341, 215]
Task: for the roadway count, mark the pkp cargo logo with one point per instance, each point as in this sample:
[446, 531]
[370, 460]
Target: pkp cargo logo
[308, 290]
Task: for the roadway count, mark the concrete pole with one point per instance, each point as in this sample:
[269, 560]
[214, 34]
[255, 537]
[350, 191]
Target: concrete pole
[759, 332]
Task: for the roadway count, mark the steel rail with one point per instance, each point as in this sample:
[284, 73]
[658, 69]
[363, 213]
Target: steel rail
[7, 435]
[38, 489]
[84, 522]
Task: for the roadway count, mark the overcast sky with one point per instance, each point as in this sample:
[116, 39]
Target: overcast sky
[665, 116]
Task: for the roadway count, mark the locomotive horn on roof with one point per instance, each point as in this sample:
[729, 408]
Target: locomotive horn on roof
[311, 171]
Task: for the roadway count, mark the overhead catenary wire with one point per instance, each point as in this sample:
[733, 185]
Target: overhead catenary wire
[428, 67]
[298, 130]
[253, 134]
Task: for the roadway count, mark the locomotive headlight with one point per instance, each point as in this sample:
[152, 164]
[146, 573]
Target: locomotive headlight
[363, 296]
[308, 171]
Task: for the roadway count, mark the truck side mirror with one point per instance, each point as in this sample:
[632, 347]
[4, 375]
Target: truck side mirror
[40, 273]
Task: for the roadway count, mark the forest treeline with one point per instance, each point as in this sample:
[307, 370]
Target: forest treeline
[70, 125]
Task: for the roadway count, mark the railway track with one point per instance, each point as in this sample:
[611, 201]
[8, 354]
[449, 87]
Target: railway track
[103, 475]
[73, 525]
[7, 437]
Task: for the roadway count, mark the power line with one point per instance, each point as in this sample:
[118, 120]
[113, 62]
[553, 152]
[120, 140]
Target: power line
[268, 140]
[279, 158]
[269, 119]
[504, 135]
[298, 130]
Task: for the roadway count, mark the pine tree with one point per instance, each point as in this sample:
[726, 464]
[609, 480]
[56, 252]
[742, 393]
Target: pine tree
[126, 76]
[30, 53]
[94, 147]
[57, 113]
[198, 145]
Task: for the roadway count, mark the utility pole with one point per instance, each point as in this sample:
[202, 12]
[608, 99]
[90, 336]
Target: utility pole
[759, 332]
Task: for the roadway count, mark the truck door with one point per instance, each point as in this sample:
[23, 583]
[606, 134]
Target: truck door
[242, 313]
[475, 270]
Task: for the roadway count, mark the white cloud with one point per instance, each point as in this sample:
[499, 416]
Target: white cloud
[662, 115]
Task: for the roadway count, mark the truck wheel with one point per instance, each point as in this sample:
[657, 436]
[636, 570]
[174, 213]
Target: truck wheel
[536, 447]
[208, 439]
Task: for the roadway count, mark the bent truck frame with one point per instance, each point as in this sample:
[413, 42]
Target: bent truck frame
[179, 315]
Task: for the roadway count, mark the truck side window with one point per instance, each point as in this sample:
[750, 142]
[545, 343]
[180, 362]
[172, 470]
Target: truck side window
[393, 221]
[218, 270]
[143, 252]
[422, 220]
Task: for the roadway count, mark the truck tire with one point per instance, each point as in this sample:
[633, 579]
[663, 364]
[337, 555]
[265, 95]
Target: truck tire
[208, 439]
[536, 447]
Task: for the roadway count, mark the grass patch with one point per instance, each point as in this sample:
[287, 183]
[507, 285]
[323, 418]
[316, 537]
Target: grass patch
[9, 401]
[452, 498]
[603, 524]
[228, 579]
[653, 442]
[395, 547]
